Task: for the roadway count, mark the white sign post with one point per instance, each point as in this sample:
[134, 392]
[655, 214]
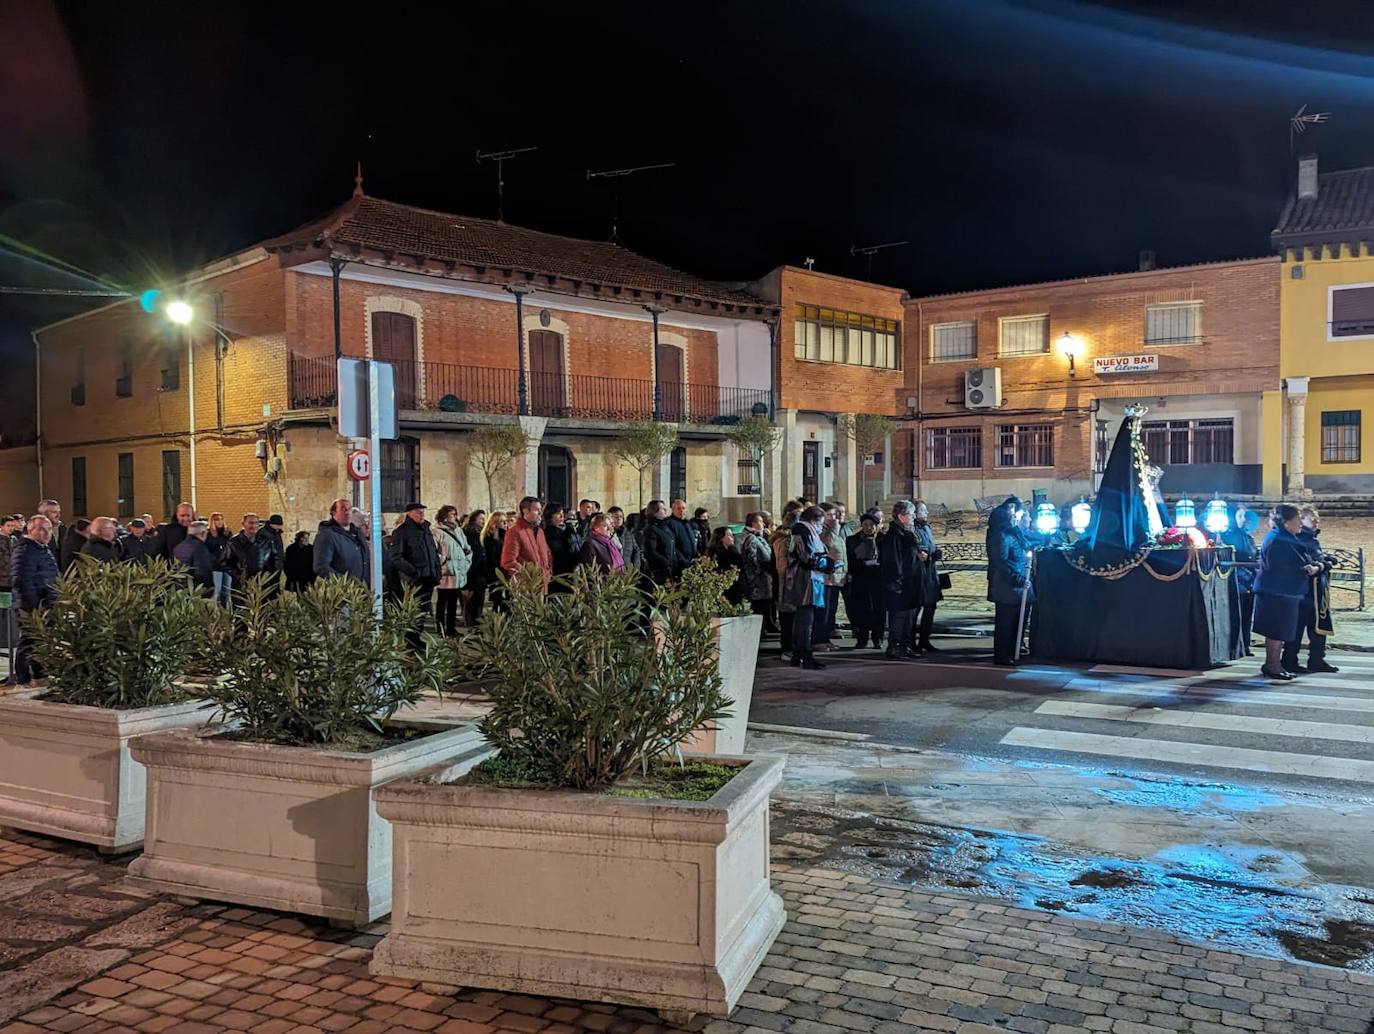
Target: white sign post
[367, 409]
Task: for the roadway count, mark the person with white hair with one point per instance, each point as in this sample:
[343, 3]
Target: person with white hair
[103, 544]
[195, 554]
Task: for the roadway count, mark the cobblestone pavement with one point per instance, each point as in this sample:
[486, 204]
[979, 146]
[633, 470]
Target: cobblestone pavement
[81, 951]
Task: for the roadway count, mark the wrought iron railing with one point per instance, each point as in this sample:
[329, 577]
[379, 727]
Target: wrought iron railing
[455, 388]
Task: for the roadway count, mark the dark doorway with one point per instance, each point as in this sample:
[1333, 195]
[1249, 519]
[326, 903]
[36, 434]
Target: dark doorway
[393, 341]
[171, 482]
[557, 470]
[671, 383]
[548, 389]
[677, 474]
[811, 476]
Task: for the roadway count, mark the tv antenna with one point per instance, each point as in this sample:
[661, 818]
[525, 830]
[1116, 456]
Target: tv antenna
[1301, 119]
[616, 174]
[872, 249]
[500, 158]
[809, 263]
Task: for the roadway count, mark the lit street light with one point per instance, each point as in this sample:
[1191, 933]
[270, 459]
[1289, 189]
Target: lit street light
[181, 313]
[1070, 347]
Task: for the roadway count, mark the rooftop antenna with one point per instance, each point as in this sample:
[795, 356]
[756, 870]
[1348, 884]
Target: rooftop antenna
[615, 174]
[872, 249]
[810, 263]
[500, 158]
[1297, 125]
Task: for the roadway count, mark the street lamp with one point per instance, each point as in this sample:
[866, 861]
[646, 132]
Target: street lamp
[181, 313]
[1070, 348]
[1081, 515]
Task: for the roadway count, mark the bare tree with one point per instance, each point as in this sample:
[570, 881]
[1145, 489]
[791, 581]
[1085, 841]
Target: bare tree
[643, 444]
[868, 432]
[494, 447]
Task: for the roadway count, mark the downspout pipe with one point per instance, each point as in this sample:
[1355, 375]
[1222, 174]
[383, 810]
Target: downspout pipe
[38, 409]
[522, 386]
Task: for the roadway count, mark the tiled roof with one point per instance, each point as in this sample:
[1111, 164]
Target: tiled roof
[1344, 203]
[371, 223]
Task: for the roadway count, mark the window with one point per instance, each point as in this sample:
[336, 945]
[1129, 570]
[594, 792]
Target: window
[1173, 323]
[1189, 442]
[950, 341]
[79, 387]
[124, 383]
[954, 448]
[677, 473]
[1025, 445]
[1024, 335]
[400, 474]
[126, 484]
[171, 482]
[79, 486]
[1341, 436]
[833, 336]
[749, 477]
[171, 368]
[1352, 311]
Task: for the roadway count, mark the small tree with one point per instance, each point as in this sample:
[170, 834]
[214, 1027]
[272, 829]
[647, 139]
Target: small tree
[494, 448]
[755, 436]
[868, 432]
[643, 444]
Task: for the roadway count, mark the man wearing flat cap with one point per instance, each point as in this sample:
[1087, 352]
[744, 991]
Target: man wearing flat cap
[415, 559]
[140, 545]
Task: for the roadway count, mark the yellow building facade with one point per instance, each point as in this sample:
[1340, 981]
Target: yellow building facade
[1326, 335]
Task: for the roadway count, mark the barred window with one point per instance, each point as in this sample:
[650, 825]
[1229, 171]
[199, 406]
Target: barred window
[400, 474]
[1341, 436]
[1173, 323]
[954, 448]
[1025, 445]
[949, 341]
[834, 336]
[1189, 442]
[1024, 335]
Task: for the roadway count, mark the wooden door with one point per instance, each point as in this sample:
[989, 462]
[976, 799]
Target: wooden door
[671, 383]
[548, 389]
[811, 477]
[556, 469]
[393, 341]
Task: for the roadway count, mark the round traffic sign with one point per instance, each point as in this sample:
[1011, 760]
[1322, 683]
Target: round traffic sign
[359, 465]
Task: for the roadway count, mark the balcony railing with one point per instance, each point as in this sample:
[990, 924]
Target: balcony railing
[453, 388]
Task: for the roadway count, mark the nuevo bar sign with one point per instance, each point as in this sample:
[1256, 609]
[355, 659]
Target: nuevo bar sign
[1125, 363]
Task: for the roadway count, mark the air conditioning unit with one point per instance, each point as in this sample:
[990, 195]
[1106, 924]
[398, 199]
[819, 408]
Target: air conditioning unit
[983, 388]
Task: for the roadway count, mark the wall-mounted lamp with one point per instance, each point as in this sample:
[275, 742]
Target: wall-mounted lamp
[1071, 348]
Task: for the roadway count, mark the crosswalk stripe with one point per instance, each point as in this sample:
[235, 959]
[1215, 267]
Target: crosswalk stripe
[1209, 720]
[1203, 754]
[1201, 693]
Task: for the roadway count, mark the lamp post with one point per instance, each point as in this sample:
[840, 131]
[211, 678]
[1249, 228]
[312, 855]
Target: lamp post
[1070, 348]
[181, 313]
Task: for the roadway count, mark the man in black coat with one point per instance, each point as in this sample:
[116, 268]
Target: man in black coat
[194, 554]
[173, 533]
[34, 573]
[902, 575]
[1008, 578]
[565, 544]
[52, 510]
[245, 554]
[340, 547]
[102, 543]
[661, 555]
[140, 545]
[414, 556]
[684, 537]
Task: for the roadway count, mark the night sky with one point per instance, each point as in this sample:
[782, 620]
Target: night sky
[1008, 141]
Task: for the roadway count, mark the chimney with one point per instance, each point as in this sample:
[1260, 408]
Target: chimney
[1147, 261]
[1307, 177]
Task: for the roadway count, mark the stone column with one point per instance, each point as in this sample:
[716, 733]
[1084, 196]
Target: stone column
[790, 459]
[849, 466]
[1297, 434]
[526, 467]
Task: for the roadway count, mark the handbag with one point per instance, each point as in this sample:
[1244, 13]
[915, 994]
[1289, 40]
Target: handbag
[945, 583]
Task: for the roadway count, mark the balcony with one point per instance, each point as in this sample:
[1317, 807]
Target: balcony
[453, 388]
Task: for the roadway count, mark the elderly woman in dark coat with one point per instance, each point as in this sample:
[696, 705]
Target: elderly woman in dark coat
[930, 584]
[903, 578]
[1008, 577]
[1285, 567]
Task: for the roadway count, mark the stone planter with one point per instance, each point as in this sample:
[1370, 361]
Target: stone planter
[658, 903]
[66, 770]
[738, 641]
[289, 828]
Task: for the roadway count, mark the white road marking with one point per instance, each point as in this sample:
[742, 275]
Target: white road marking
[1209, 720]
[1201, 693]
[1208, 755]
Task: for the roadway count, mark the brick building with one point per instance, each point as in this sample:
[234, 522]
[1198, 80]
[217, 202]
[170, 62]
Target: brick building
[839, 354]
[998, 406]
[483, 321]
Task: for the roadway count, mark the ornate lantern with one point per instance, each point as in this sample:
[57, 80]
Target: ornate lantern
[1046, 519]
[1185, 513]
[1081, 515]
[1215, 518]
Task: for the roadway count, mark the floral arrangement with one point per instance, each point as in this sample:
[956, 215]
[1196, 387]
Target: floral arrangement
[1177, 538]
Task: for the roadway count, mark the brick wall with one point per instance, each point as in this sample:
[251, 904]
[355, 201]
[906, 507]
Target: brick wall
[834, 387]
[1238, 353]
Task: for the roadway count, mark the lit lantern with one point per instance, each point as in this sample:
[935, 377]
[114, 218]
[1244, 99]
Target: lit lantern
[1081, 515]
[1046, 519]
[1215, 518]
[1185, 513]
